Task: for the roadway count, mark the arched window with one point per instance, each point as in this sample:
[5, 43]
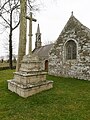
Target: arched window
[71, 50]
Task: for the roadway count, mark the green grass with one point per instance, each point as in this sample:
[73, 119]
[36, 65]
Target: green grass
[68, 100]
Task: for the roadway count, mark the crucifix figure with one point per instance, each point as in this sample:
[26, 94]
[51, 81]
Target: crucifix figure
[30, 31]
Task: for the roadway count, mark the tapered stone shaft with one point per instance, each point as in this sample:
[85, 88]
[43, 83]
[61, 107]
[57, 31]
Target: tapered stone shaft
[22, 34]
[30, 34]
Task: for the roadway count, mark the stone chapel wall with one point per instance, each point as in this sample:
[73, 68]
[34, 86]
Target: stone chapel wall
[79, 67]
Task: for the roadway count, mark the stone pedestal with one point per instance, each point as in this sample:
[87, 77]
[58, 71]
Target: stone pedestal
[30, 79]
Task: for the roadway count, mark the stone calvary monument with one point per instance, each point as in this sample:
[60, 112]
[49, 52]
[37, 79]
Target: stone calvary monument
[28, 79]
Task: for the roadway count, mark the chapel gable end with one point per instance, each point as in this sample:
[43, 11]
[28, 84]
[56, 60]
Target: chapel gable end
[70, 55]
[73, 30]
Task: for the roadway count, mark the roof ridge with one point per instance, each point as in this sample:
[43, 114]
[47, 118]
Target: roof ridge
[72, 16]
[47, 45]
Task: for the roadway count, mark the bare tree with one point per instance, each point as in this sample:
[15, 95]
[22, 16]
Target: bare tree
[9, 13]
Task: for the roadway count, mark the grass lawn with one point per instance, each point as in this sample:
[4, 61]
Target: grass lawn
[68, 100]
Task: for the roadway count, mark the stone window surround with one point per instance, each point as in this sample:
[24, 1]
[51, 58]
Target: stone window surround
[64, 49]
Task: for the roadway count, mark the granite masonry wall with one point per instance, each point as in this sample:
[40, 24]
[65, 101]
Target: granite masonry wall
[76, 68]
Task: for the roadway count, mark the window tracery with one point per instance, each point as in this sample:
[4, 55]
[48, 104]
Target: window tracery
[71, 50]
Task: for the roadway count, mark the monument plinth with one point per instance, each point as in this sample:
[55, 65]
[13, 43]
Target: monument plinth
[30, 79]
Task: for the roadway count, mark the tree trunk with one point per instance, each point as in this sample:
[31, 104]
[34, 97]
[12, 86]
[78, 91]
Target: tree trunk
[10, 43]
[10, 50]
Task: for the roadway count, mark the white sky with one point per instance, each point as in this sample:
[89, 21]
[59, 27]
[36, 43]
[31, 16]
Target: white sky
[53, 16]
[53, 19]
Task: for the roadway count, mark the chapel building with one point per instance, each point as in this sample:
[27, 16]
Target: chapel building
[69, 56]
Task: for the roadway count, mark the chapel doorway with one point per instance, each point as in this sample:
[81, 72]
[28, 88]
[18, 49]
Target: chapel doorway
[46, 65]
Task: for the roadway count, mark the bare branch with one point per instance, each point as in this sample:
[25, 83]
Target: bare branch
[4, 5]
[5, 20]
[9, 12]
[16, 25]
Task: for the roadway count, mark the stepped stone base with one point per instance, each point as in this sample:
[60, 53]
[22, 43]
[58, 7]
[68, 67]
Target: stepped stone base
[30, 79]
[29, 89]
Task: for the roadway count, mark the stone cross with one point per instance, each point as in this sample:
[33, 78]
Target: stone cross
[72, 13]
[30, 31]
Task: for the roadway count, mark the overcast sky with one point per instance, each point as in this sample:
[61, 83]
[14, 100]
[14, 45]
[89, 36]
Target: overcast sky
[53, 19]
[54, 15]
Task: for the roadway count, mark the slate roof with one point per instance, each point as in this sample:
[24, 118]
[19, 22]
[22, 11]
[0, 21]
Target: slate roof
[43, 51]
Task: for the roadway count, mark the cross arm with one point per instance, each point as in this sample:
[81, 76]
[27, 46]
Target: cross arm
[33, 19]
